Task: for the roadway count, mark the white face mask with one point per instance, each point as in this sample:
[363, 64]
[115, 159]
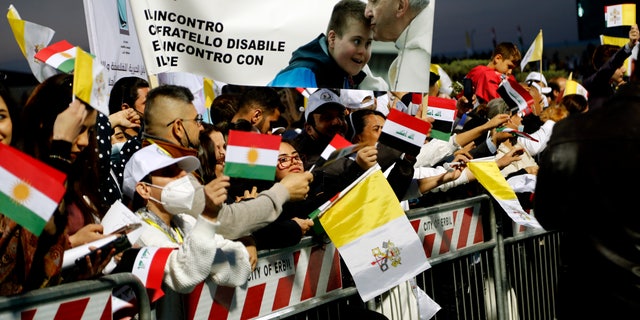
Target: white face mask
[521, 128]
[184, 195]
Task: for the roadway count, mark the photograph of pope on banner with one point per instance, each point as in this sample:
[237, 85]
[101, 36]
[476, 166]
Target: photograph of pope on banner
[249, 42]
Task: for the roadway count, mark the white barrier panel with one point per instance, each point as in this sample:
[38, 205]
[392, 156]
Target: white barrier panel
[279, 281]
[92, 307]
[449, 231]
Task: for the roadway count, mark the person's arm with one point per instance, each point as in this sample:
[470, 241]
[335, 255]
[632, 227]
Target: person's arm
[465, 137]
[242, 218]
[542, 135]
[205, 253]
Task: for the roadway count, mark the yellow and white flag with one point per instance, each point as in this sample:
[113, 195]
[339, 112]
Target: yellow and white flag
[573, 87]
[534, 53]
[620, 15]
[491, 178]
[31, 38]
[90, 81]
[374, 235]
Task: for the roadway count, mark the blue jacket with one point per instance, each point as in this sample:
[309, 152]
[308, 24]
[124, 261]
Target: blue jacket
[311, 66]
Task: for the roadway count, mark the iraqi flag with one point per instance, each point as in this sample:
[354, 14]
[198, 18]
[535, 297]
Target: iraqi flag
[404, 132]
[374, 236]
[60, 55]
[252, 155]
[90, 81]
[444, 112]
[516, 96]
[149, 268]
[30, 190]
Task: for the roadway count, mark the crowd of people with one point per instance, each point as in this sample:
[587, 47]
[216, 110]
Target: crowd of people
[165, 161]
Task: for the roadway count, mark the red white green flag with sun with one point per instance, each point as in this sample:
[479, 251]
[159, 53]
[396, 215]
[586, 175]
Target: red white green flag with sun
[30, 190]
[252, 155]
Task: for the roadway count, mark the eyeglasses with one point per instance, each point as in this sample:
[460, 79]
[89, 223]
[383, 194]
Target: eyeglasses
[284, 162]
[198, 120]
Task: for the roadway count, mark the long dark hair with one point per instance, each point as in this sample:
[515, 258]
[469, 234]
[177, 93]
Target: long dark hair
[35, 133]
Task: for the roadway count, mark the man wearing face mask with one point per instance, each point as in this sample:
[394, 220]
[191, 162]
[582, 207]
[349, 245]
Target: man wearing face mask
[171, 201]
[173, 125]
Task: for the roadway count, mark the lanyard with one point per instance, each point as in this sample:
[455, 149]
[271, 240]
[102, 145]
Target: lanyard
[172, 233]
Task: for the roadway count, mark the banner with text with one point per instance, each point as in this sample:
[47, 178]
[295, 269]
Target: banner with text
[240, 42]
[113, 39]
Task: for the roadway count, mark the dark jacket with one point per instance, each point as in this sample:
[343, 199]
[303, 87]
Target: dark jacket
[598, 84]
[586, 191]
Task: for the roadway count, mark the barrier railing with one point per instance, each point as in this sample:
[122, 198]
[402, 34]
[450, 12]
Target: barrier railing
[477, 272]
[86, 299]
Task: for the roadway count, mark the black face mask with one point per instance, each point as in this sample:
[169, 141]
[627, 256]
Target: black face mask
[189, 144]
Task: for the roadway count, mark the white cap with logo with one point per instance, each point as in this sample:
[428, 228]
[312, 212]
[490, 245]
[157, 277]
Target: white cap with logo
[149, 159]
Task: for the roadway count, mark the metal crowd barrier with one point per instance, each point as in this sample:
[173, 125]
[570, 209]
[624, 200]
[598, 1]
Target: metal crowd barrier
[86, 299]
[483, 267]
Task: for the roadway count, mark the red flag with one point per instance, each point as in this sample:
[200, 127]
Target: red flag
[516, 96]
[404, 132]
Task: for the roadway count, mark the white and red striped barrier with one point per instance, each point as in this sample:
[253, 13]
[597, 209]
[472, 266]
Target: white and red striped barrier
[279, 281]
[449, 231]
[92, 307]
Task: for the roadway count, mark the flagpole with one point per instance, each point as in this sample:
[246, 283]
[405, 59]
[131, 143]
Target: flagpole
[323, 208]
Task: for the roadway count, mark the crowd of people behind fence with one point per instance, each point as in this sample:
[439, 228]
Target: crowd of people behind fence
[165, 161]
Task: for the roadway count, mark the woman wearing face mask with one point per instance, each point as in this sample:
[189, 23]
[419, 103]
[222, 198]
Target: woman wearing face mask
[171, 203]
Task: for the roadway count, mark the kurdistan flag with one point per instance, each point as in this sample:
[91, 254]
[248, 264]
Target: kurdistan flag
[30, 190]
[252, 155]
[60, 55]
[374, 235]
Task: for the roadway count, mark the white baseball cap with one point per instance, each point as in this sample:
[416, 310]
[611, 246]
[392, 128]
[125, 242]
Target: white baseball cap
[149, 159]
[538, 77]
[354, 99]
[320, 98]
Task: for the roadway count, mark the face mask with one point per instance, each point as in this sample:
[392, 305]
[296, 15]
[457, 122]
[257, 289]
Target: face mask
[184, 195]
[521, 128]
[116, 147]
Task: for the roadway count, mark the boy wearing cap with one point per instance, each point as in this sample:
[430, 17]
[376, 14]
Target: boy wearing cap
[171, 204]
[337, 59]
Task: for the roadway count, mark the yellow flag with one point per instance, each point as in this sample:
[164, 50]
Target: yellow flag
[89, 81]
[490, 177]
[534, 53]
[620, 15]
[573, 87]
[31, 37]
[374, 236]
